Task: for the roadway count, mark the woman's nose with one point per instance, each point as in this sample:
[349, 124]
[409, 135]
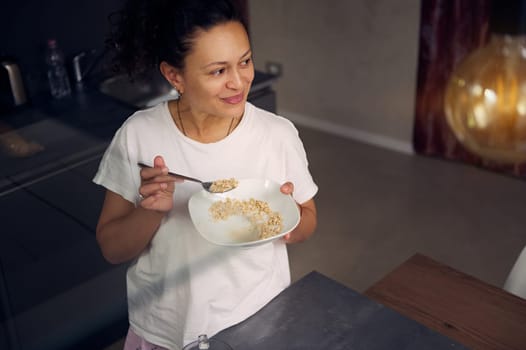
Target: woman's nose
[235, 80]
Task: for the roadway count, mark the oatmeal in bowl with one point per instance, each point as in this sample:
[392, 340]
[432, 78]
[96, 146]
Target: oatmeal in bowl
[255, 212]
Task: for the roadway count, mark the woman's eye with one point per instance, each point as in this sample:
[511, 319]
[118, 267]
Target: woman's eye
[246, 62]
[218, 71]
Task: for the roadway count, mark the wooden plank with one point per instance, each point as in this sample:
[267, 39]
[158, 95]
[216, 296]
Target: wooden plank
[457, 305]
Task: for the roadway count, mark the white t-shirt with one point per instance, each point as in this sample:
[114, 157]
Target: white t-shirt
[181, 285]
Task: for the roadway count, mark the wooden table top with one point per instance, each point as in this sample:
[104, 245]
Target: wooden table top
[472, 312]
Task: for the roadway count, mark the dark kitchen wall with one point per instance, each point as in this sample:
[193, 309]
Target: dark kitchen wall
[26, 25]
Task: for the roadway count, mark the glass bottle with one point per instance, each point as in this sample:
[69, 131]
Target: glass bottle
[56, 71]
[204, 343]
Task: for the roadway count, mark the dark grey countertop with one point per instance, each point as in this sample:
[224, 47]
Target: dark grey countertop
[71, 131]
[320, 314]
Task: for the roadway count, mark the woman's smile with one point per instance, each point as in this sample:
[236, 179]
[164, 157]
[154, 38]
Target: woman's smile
[234, 99]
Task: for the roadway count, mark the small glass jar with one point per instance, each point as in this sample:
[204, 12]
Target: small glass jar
[203, 343]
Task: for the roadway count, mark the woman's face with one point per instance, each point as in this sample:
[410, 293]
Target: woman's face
[218, 72]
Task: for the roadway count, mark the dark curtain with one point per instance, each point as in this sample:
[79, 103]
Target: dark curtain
[449, 30]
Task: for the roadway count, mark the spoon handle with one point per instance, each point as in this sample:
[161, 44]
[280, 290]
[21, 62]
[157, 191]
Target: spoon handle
[184, 177]
[142, 165]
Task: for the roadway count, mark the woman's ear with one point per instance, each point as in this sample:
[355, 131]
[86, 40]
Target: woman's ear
[172, 75]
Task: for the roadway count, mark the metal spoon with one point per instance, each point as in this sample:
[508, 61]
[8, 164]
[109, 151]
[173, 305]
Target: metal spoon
[206, 185]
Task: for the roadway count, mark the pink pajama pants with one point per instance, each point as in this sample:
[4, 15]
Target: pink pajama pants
[134, 342]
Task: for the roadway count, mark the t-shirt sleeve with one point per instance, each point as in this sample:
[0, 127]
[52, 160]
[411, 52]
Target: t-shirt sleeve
[297, 166]
[118, 172]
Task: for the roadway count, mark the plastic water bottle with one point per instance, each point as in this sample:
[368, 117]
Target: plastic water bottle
[56, 71]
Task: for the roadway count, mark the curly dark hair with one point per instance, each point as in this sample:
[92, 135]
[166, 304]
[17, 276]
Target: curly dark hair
[146, 32]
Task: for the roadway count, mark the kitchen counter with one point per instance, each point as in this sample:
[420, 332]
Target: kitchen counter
[71, 131]
[319, 313]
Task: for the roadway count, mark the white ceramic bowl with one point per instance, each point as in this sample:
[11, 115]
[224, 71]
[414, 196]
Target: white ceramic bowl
[235, 231]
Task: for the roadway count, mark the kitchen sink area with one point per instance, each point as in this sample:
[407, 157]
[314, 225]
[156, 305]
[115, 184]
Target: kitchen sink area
[143, 91]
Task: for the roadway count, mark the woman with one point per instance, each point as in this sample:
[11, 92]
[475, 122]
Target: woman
[179, 285]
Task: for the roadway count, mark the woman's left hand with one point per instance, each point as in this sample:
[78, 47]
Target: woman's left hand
[308, 217]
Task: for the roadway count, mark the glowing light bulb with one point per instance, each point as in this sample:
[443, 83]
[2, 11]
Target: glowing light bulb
[485, 100]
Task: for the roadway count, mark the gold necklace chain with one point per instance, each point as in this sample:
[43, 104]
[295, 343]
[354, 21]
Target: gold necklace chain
[182, 125]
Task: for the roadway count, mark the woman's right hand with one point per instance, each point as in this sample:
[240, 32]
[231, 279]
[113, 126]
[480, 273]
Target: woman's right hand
[157, 187]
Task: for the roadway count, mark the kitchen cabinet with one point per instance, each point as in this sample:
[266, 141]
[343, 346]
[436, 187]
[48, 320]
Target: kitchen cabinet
[57, 291]
[54, 276]
[74, 194]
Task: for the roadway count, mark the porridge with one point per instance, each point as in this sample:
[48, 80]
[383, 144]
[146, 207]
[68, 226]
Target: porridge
[263, 220]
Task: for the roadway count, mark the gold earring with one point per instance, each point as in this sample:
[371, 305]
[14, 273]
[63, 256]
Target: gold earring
[176, 91]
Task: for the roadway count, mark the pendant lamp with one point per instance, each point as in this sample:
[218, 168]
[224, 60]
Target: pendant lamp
[485, 99]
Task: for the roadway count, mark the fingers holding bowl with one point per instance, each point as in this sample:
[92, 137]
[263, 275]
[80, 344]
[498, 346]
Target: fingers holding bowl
[287, 188]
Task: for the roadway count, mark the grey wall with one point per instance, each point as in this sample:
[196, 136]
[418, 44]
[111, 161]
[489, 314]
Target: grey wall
[349, 66]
